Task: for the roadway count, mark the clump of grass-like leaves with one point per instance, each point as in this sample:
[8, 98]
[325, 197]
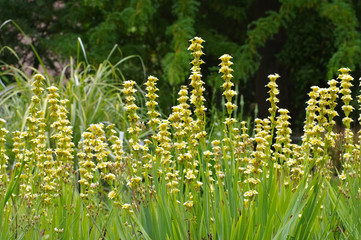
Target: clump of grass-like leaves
[72, 178]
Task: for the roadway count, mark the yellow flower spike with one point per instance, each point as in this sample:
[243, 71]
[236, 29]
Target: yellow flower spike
[346, 85]
[151, 104]
[38, 82]
[180, 121]
[283, 136]
[273, 92]
[94, 146]
[359, 120]
[345, 88]
[4, 178]
[63, 133]
[164, 146]
[134, 128]
[197, 98]
[311, 129]
[227, 91]
[31, 145]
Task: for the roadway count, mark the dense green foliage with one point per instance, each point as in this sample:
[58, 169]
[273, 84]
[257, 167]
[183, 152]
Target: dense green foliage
[309, 40]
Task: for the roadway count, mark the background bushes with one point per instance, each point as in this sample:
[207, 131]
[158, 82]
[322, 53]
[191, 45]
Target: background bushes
[304, 41]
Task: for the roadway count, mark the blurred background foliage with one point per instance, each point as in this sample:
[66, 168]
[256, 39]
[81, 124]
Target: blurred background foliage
[305, 41]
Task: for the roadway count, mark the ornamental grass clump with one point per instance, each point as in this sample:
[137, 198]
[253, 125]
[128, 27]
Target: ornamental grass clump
[171, 177]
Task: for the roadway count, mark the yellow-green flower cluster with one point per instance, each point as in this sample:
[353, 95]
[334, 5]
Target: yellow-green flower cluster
[332, 95]
[94, 164]
[41, 145]
[282, 145]
[258, 126]
[53, 102]
[217, 152]
[49, 185]
[94, 148]
[189, 204]
[152, 103]
[87, 166]
[319, 127]
[186, 113]
[41, 138]
[4, 179]
[267, 132]
[33, 119]
[239, 146]
[229, 145]
[245, 146]
[179, 163]
[180, 145]
[51, 171]
[131, 110]
[100, 146]
[259, 155]
[117, 147]
[359, 118]
[297, 164]
[175, 118]
[346, 92]
[63, 134]
[117, 167]
[207, 157]
[18, 146]
[172, 181]
[164, 148]
[45, 163]
[180, 121]
[197, 98]
[309, 138]
[273, 92]
[346, 85]
[323, 106]
[33, 145]
[325, 123]
[227, 85]
[35, 100]
[196, 49]
[189, 130]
